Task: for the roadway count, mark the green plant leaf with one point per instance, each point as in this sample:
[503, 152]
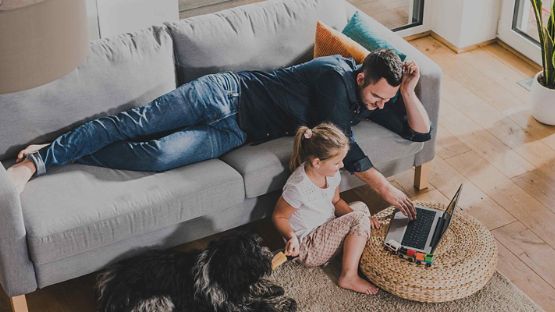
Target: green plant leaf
[537, 5]
[551, 21]
[548, 70]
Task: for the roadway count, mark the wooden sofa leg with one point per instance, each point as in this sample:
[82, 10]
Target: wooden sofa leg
[19, 304]
[421, 176]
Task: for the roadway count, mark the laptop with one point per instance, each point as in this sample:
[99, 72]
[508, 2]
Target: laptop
[424, 233]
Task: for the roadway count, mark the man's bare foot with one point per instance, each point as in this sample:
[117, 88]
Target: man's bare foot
[357, 284]
[21, 173]
[28, 150]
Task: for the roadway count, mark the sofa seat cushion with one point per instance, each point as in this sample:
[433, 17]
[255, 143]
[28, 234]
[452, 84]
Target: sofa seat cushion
[264, 167]
[78, 208]
[260, 36]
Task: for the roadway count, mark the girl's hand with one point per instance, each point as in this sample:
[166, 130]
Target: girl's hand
[292, 247]
[375, 223]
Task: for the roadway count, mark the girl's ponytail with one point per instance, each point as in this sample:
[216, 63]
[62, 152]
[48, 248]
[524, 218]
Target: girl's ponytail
[296, 157]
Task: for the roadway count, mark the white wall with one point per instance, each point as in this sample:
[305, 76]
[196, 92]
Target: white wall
[447, 19]
[122, 16]
[480, 18]
[465, 22]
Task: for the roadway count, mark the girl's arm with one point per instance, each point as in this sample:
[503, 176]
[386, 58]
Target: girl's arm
[341, 206]
[280, 217]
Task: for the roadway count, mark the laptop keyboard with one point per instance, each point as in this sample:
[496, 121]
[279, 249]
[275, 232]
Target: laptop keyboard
[418, 230]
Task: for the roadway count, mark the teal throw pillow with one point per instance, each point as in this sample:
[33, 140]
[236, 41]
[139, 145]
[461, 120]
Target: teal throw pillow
[358, 28]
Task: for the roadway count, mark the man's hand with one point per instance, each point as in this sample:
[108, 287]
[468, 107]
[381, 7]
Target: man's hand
[411, 75]
[388, 192]
[292, 247]
[398, 199]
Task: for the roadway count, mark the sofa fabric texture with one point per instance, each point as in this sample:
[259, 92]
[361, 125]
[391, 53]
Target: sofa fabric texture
[264, 167]
[102, 206]
[260, 36]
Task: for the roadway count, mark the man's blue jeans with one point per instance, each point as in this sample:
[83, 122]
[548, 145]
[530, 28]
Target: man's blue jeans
[194, 122]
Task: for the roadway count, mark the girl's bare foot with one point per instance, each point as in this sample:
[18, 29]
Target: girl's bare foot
[21, 173]
[357, 284]
[28, 150]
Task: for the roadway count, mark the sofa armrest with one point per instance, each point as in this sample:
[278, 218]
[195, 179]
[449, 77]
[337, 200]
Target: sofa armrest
[17, 273]
[429, 86]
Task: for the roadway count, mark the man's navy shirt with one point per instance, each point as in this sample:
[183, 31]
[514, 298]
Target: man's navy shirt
[276, 103]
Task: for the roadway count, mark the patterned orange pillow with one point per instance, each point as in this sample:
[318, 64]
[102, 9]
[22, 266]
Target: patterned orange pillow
[330, 41]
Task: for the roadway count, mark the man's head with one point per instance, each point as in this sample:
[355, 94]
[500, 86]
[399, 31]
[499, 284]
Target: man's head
[379, 78]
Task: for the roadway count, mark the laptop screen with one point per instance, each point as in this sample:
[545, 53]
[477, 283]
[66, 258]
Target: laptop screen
[447, 216]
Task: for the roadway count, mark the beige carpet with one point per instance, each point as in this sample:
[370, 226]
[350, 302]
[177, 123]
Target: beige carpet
[315, 290]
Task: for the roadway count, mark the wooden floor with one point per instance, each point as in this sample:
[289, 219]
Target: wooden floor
[486, 140]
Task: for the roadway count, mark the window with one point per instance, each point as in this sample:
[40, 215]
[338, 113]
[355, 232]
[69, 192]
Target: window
[394, 14]
[524, 20]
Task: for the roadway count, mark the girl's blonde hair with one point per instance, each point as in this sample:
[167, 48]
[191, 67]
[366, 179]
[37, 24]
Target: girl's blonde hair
[323, 142]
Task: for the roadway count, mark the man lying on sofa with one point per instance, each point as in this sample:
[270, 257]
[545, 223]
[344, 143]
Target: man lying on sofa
[216, 113]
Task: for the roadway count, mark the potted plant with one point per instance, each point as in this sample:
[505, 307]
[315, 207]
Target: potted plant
[543, 85]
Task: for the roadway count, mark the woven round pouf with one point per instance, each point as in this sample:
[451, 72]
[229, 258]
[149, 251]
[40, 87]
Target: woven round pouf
[464, 262]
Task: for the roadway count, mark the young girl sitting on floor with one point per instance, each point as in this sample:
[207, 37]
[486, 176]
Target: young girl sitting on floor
[313, 219]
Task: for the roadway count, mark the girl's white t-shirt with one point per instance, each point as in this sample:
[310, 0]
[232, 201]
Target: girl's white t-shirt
[313, 205]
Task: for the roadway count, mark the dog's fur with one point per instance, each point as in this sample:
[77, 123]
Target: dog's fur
[227, 276]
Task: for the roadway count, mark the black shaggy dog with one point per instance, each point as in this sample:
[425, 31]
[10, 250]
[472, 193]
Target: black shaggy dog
[227, 276]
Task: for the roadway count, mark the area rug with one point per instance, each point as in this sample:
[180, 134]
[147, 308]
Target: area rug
[315, 290]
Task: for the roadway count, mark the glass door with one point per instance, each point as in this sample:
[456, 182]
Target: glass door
[517, 26]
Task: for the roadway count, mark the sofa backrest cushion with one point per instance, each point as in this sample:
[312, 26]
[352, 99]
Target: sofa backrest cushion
[120, 72]
[259, 36]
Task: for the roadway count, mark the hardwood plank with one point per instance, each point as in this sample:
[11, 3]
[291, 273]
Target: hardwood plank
[540, 184]
[511, 60]
[448, 145]
[529, 248]
[549, 140]
[483, 142]
[447, 180]
[538, 153]
[507, 194]
[525, 278]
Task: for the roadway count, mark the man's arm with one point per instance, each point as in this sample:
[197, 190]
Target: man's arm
[417, 117]
[388, 192]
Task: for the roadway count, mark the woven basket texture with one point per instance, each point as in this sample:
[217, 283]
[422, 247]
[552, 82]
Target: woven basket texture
[463, 263]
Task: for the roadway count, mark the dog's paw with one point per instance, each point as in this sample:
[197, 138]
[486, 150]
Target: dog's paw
[286, 304]
[275, 291]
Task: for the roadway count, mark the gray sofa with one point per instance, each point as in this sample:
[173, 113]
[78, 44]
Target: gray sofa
[78, 218]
